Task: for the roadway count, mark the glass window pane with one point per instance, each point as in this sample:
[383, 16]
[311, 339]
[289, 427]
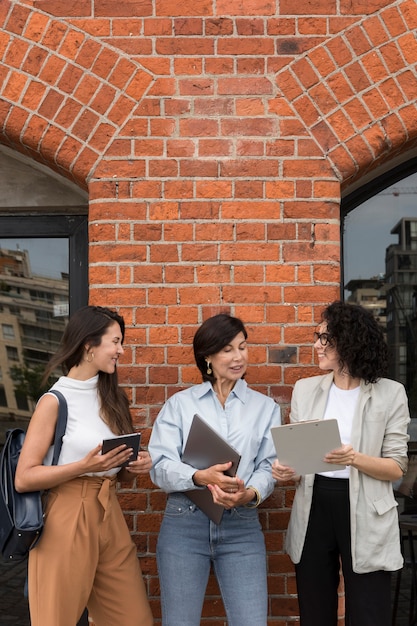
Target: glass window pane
[380, 272]
[8, 331]
[33, 313]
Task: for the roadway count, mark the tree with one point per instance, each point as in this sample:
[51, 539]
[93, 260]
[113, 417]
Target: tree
[27, 381]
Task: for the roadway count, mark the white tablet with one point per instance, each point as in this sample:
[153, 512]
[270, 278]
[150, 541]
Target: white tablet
[303, 445]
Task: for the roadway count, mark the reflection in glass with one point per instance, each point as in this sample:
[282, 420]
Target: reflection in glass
[380, 272]
[33, 314]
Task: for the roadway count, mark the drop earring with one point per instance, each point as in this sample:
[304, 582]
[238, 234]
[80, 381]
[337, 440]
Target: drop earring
[209, 370]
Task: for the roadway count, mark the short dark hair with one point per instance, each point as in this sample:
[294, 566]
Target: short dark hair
[359, 340]
[213, 335]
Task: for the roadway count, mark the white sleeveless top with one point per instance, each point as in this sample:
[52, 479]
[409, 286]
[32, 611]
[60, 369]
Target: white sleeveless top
[85, 428]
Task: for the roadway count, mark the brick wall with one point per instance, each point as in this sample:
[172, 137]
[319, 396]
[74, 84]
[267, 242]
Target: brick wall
[215, 140]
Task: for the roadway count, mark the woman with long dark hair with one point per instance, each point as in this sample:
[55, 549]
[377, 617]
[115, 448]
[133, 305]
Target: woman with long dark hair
[85, 556]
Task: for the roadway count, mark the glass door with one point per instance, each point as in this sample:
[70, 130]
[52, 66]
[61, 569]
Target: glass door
[43, 278]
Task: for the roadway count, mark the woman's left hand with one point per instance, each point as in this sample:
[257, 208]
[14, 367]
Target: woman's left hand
[345, 455]
[142, 465]
[238, 495]
[379, 468]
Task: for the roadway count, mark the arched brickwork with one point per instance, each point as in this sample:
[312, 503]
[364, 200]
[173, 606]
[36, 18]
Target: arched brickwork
[357, 92]
[214, 140]
[64, 94]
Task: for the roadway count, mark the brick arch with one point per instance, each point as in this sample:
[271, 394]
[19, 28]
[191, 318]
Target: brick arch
[64, 93]
[357, 92]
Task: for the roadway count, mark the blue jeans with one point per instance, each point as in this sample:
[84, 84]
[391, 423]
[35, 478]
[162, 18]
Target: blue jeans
[189, 543]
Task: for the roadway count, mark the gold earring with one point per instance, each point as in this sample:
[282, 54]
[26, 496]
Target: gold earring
[209, 370]
[92, 357]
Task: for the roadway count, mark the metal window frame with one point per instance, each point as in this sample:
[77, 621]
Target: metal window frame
[366, 191]
[53, 225]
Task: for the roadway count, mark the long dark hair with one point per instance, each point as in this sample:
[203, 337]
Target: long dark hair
[212, 336]
[87, 327]
[359, 340]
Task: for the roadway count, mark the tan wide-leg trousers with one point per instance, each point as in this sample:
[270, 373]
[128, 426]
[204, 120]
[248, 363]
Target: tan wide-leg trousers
[86, 557]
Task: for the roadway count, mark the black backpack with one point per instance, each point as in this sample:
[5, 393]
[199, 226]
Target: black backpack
[21, 514]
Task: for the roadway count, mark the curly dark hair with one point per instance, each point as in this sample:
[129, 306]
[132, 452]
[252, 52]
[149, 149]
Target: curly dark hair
[359, 340]
[212, 336]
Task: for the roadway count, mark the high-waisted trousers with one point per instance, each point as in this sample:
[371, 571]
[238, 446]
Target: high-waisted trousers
[86, 558]
[327, 544]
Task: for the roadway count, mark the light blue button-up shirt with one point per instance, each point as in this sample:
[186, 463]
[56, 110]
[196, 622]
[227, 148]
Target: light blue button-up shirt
[245, 422]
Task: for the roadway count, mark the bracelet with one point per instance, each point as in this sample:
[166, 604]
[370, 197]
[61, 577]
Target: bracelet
[252, 504]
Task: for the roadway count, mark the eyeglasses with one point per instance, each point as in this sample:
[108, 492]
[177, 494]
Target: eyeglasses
[324, 338]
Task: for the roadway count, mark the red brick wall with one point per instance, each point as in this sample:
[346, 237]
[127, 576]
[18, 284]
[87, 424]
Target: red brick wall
[215, 141]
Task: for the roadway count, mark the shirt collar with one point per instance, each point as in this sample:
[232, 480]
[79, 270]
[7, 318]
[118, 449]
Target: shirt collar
[239, 390]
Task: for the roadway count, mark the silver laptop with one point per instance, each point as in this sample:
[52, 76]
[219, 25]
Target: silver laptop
[205, 447]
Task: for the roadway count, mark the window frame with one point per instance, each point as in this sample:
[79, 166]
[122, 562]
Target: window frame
[45, 224]
[362, 194]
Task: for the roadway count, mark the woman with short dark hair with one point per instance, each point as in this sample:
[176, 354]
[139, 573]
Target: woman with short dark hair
[189, 541]
[349, 515]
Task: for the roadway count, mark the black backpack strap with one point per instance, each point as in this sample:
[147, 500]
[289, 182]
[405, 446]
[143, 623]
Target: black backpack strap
[61, 424]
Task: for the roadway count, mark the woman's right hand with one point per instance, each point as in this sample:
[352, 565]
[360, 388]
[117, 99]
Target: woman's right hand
[33, 475]
[283, 473]
[215, 475]
[94, 461]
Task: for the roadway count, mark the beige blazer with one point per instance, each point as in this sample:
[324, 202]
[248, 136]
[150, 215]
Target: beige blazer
[379, 429]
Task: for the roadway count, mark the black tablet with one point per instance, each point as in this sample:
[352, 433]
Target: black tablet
[132, 441]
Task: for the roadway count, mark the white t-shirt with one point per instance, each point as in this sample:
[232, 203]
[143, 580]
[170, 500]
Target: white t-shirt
[341, 405]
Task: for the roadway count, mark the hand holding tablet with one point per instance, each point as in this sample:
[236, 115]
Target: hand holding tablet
[303, 445]
[131, 440]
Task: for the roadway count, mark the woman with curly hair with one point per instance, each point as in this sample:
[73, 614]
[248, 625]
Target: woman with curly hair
[349, 516]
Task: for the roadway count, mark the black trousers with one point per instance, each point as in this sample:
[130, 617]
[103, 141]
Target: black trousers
[327, 544]
[83, 621]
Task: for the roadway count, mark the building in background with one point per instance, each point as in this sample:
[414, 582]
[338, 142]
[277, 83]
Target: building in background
[392, 298]
[215, 144]
[370, 293]
[401, 291]
[33, 314]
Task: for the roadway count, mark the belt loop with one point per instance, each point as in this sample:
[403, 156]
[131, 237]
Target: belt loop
[84, 487]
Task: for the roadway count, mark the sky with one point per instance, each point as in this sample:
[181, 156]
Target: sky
[48, 257]
[367, 228]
